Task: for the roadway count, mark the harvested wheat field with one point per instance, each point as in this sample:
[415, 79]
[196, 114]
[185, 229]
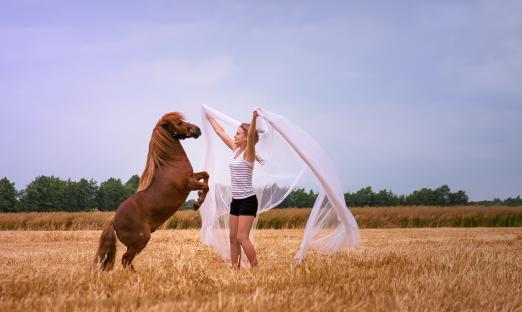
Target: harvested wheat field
[398, 269]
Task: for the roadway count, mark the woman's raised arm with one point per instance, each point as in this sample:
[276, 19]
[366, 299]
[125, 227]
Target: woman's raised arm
[221, 133]
[250, 150]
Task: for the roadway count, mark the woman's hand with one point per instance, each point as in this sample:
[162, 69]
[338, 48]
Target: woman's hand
[255, 114]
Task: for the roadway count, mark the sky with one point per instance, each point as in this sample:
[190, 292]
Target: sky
[400, 94]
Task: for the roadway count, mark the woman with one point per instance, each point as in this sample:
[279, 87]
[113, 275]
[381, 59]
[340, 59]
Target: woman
[243, 207]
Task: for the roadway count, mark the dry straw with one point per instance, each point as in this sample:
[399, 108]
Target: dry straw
[428, 269]
[379, 217]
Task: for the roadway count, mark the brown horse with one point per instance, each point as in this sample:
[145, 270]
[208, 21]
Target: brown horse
[166, 182]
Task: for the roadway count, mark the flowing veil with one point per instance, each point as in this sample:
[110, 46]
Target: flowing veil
[287, 152]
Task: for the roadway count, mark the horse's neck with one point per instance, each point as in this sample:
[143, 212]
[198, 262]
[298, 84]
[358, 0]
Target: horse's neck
[177, 164]
[178, 153]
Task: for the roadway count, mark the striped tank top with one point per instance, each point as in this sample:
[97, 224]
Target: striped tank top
[241, 177]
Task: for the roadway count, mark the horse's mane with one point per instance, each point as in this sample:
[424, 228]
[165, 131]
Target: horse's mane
[160, 148]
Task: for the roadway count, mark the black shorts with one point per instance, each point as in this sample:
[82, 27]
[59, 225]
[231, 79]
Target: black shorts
[244, 207]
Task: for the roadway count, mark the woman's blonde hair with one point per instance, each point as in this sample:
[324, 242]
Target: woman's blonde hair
[245, 126]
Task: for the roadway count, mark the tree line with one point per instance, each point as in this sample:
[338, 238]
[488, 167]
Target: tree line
[367, 197]
[49, 193]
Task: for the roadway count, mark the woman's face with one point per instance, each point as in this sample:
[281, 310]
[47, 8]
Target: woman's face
[240, 138]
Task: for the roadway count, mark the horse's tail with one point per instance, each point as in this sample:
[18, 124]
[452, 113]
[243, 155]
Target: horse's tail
[106, 249]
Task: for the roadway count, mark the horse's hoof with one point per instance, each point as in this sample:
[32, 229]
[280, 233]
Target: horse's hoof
[195, 206]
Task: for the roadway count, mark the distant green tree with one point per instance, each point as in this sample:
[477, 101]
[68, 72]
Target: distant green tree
[43, 194]
[517, 201]
[367, 197]
[69, 200]
[8, 196]
[402, 200]
[495, 201]
[132, 183]
[348, 199]
[299, 198]
[188, 204]
[110, 194]
[424, 196]
[363, 197]
[458, 198]
[386, 198]
[86, 192]
[79, 196]
[309, 200]
[441, 196]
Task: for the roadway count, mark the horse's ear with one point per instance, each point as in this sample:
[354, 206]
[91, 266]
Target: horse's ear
[165, 124]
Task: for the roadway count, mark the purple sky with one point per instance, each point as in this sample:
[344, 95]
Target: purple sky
[402, 94]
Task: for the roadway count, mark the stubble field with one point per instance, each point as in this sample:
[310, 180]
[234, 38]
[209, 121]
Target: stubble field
[399, 269]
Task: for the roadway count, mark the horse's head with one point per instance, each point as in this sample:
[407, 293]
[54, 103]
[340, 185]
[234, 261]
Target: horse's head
[164, 144]
[178, 128]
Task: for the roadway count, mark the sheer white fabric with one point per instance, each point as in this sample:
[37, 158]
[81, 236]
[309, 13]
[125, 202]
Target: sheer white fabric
[287, 152]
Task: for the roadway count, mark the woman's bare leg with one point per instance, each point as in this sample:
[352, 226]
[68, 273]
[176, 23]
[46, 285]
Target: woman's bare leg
[235, 249]
[243, 233]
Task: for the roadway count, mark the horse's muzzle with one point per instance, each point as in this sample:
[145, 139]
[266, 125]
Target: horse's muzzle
[196, 133]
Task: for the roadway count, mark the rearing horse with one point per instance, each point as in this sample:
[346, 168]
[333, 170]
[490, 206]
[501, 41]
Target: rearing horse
[164, 186]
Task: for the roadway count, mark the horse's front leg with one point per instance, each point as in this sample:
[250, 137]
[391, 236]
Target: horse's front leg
[194, 184]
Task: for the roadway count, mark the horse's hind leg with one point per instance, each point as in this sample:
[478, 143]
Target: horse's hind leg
[134, 247]
[127, 258]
